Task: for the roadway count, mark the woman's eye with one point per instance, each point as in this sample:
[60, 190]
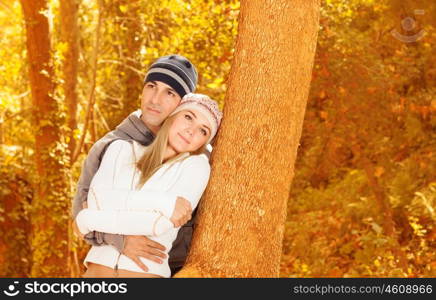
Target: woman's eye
[204, 132]
[188, 117]
[150, 85]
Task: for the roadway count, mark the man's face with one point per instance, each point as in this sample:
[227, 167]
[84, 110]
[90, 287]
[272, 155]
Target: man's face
[158, 100]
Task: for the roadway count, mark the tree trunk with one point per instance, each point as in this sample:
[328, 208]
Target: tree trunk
[382, 201]
[15, 260]
[129, 32]
[70, 36]
[241, 219]
[132, 80]
[50, 203]
[91, 102]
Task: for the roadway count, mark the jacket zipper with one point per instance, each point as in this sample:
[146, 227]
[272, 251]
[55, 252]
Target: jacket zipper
[131, 186]
[116, 266]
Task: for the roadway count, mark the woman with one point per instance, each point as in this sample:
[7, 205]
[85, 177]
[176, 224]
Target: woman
[136, 188]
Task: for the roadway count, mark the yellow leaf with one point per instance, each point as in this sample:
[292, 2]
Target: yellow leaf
[379, 171]
[341, 90]
[323, 115]
[123, 8]
[376, 263]
[322, 94]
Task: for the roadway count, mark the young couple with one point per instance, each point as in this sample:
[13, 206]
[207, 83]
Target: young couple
[141, 182]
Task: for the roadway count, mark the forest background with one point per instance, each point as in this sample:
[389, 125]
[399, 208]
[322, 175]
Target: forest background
[363, 195]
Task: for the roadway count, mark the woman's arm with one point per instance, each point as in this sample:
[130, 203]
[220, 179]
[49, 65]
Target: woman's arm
[113, 167]
[190, 184]
[110, 198]
[120, 222]
[192, 179]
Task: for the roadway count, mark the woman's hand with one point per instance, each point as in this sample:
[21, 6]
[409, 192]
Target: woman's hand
[74, 224]
[76, 230]
[182, 212]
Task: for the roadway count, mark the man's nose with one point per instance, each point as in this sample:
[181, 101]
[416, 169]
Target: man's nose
[154, 98]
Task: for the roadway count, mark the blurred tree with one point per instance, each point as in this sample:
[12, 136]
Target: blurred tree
[367, 156]
[241, 218]
[368, 131]
[128, 53]
[69, 43]
[49, 226]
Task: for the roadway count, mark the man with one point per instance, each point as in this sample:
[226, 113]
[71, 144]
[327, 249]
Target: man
[168, 79]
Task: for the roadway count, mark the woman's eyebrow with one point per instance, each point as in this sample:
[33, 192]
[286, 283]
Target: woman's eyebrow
[193, 113]
[205, 126]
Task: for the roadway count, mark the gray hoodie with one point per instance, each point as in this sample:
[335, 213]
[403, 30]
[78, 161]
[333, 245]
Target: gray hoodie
[132, 128]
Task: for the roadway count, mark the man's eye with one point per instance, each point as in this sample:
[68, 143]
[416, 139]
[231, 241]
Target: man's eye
[150, 85]
[171, 94]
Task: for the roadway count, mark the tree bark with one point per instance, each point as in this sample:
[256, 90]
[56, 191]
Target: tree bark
[50, 202]
[15, 254]
[129, 31]
[70, 36]
[241, 218]
[130, 57]
[91, 102]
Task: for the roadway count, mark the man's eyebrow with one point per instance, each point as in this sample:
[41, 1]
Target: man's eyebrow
[171, 90]
[168, 88]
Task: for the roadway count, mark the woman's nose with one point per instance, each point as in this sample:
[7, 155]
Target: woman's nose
[189, 130]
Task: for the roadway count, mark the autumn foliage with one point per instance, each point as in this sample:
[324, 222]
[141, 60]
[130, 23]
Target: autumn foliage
[363, 196]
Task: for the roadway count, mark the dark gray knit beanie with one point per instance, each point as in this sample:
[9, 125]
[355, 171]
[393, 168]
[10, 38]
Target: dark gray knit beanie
[176, 71]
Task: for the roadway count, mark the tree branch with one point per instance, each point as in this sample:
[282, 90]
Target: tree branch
[91, 100]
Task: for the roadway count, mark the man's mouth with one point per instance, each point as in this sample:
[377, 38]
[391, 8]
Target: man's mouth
[155, 111]
[185, 140]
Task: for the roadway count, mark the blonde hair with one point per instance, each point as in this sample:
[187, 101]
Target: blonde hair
[153, 158]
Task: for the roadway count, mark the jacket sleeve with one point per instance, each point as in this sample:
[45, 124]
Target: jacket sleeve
[193, 179]
[112, 220]
[109, 198]
[190, 184]
[123, 222]
[89, 168]
[145, 199]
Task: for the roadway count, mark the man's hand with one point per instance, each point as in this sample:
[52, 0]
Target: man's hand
[182, 212]
[136, 246]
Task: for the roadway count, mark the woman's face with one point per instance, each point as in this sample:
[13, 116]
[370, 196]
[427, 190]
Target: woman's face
[189, 131]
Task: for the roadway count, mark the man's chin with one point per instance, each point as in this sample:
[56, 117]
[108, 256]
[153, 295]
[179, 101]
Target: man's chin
[151, 120]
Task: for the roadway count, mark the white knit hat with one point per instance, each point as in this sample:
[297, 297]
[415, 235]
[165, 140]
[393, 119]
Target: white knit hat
[208, 107]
